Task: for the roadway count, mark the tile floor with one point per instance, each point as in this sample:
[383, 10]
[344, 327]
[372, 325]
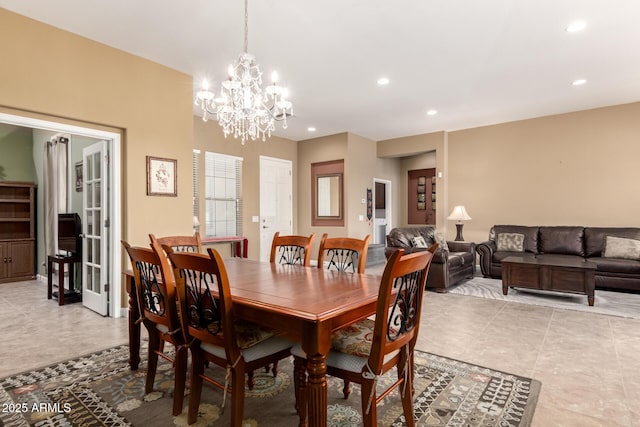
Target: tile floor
[589, 365]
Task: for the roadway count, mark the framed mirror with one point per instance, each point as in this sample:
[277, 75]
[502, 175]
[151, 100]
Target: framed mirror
[329, 196]
[327, 193]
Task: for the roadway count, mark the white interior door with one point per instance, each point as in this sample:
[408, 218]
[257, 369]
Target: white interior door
[95, 228]
[276, 204]
[382, 217]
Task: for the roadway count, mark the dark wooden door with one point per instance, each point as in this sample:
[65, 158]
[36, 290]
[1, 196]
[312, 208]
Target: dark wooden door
[419, 198]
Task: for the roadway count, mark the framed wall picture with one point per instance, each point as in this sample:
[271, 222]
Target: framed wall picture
[79, 181]
[162, 177]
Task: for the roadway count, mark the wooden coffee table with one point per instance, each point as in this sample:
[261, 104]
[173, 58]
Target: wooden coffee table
[560, 275]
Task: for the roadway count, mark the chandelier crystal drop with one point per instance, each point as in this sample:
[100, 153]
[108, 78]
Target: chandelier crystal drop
[243, 108]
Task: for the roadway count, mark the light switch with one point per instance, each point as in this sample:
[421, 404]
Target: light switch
[361, 217]
[255, 218]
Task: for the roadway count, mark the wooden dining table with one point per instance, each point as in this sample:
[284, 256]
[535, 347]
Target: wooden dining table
[304, 303]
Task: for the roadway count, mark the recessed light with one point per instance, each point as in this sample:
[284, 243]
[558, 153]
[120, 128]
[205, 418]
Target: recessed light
[579, 82]
[383, 81]
[432, 112]
[574, 27]
[311, 129]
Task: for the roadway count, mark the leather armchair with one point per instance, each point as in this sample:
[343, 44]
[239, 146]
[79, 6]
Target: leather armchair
[448, 266]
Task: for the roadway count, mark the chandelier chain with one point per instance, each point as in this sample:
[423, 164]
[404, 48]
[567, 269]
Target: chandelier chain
[246, 26]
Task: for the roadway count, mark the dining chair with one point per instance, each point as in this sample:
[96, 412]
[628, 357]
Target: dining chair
[181, 243]
[343, 253]
[367, 349]
[158, 312]
[215, 335]
[291, 249]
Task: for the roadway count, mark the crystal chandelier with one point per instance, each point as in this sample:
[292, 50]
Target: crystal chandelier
[243, 108]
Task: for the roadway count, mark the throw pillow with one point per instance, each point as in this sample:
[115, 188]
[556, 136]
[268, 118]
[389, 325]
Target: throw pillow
[510, 242]
[419, 242]
[442, 242]
[619, 247]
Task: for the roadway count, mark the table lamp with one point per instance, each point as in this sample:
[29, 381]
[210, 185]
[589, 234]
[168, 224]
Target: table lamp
[460, 214]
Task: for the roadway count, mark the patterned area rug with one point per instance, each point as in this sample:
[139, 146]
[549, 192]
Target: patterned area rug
[100, 390]
[623, 304]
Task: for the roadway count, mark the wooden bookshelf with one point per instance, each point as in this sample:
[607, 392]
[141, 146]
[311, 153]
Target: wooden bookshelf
[17, 231]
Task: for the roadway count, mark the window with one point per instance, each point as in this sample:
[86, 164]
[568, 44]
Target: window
[223, 202]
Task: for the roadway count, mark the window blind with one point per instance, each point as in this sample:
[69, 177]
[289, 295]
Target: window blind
[223, 197]
[196, 187]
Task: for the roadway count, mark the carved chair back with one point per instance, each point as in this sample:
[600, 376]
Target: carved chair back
[204, 296]
[181, 243]
[291, 249]
[158, 311]
[343, 253]
[399, 305]
[154, 286]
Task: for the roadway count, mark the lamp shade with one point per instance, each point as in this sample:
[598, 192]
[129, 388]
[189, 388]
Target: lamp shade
[459, 213]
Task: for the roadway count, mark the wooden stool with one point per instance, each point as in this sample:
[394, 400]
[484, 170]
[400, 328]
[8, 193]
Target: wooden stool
[62, 260]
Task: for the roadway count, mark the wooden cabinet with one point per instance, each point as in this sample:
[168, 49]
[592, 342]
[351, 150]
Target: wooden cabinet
[4, 266]
[17, 231]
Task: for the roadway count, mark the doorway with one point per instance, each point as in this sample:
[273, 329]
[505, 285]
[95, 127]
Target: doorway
[382, 210]
[111, 278]
[276, 201]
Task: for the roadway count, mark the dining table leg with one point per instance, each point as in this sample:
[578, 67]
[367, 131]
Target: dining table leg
[317, 390]
[134, 325]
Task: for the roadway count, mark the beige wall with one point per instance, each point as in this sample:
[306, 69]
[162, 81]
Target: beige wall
[60, 75]
[576, 168]
[571, 169]
[333, 147]
[359, 172]
[54, 75]
[361, 165]
[209, 137]
[420, 151]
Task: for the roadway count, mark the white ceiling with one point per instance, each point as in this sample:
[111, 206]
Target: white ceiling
[477, 62]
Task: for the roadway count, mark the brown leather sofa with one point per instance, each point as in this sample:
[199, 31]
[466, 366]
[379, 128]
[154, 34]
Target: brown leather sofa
[566, 242]
[448, 266]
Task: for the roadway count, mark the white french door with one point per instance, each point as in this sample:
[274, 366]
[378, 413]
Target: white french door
[276, 204]
[95, 228]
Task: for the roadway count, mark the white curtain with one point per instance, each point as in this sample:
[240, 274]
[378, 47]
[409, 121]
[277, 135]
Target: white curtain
[55, 189]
